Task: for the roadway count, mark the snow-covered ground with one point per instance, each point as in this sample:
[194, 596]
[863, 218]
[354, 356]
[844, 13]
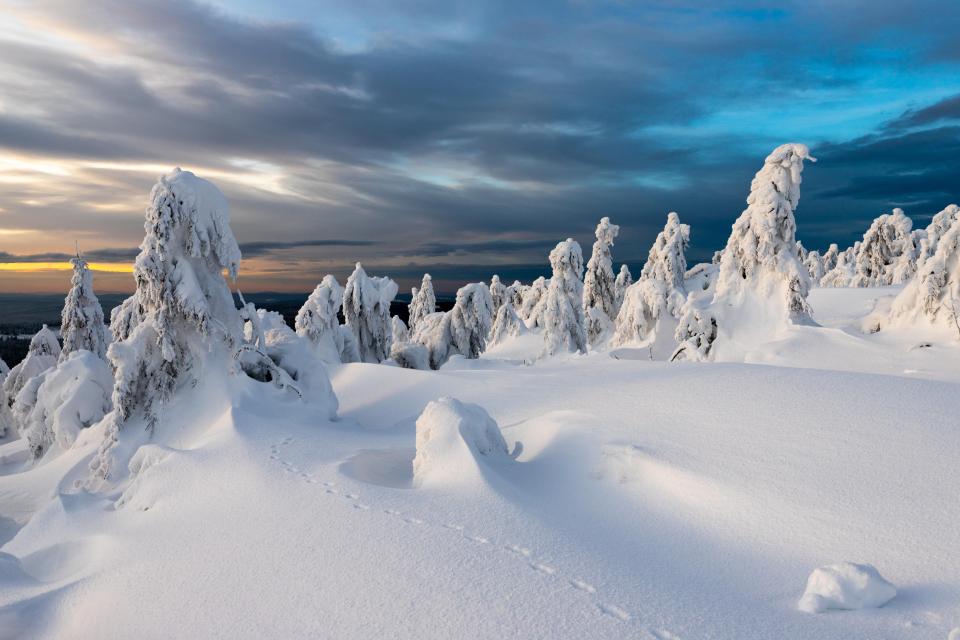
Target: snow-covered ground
[647, 500]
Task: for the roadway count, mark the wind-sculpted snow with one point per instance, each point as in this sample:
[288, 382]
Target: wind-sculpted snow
[846, 586]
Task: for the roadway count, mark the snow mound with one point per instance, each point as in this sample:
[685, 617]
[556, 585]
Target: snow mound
[454, 437]
[845, 586]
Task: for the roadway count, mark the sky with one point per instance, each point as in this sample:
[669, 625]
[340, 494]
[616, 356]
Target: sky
[459, 137]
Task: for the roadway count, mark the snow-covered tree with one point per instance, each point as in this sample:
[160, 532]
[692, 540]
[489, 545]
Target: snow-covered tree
[398, 330]
[933, 295]
[842, 272]
[620, 285]
[423, 302]
[561, 308]
[660, 290]
[801, 251]
[532, 297]
[498, 293]
[515, 294]
[182, 314]
[6, 417]
[760, 272]
[830, 258]
[507, 324]
[887, 239]
[814, 265]
[366, 307]
[940, 224]
[599, 292]
[317, 320]
[42, 354]
[462, 330]
[81, 322]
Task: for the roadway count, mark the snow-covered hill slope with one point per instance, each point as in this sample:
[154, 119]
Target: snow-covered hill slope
[648, 500]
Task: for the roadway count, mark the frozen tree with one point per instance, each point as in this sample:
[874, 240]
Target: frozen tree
[462, 330]
[498, 293]
[53, 407]
[42, 354]
[532, 297]
[182, 314]
[6, 418]
[317, 320]
[81, 322]
[423, 302]
[561, 307]
[882, 246]
[366, 307]
[621, 284]
[398, 330]
[814, 265]
[667, 261]
[515, 294]
[599, 294]
[830, 258]
[940, 224]
[760, 272]
[933, 295]
[801, 251]
[842, 273]
[645, 302]
[506, 324]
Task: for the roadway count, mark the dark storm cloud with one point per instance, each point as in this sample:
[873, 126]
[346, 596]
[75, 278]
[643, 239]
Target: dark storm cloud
[254, 249]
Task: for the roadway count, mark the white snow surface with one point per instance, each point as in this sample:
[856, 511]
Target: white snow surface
[650, 499]
[846, 585]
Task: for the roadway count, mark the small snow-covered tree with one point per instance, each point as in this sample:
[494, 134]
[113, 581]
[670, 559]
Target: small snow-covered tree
[507, 324]
[515, 294]
[366, 307]
[42, 354]
[842, 273]
[620, 285]
[471, 319]
[81, 322]
[801, 251]
[182, 314]
[561, 314]
[830, 257]
[760, 272]
[667, 261]
[6, 417]
[317, 320]
[938, 226]
[599, 293]
[423, 302]
[883, 244]
[532, 297]
[398, 330]
[814, 265]
[498, 293]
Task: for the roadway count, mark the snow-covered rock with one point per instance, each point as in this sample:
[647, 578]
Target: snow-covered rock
[453, 439]
[845, 585]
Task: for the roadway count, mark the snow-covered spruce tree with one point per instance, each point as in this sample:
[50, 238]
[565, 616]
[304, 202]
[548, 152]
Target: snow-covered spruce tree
[933, 295]
[814, 265]
[182, 314]
[515, 294]
[423, 302]
[462, 330]
[599, 293]
[660, 289]
[801, 251]
[498, 293]
[830, 257]
[883, 244]
[6, 418]
[532, 297]
[842, 272]
[760, 273]
[507, 324]
[561, 314]
[620, 285]
[398, 330]
[42, 354]
[81, 322]
[366, 307]
[317, 320]
[940, 224]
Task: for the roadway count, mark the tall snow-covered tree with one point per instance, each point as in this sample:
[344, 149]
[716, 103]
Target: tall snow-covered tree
[667, 262]
[531, 302]
[599, 293]
[498, 293]
[887, 239]
[366, 307]
[42, 354]
[620, 285]
[423, 302]
[182, 314]
[561, 314]
[760, 273]
[81, 322]
[6, 417]
[317, 320]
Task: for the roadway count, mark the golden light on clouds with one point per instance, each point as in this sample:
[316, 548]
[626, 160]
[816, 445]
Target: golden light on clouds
[36, 267]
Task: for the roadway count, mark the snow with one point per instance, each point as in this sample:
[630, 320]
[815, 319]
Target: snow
[845, 586]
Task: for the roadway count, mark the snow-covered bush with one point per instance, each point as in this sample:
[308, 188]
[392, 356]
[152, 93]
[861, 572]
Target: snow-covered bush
[366, 307]
[887, 239]
[506, 325]
[81, 322]
[846, 585]
[560, 311]
[462, 330]
[762, 284]
[532, 297]
[842, 272]
[498, 293]
[599, 292]
[398, 330]
[54, 406]
[410, 355]
[814, 265]
[42, 354]
[453, 438]
[423, 302]
[317, 321]
[620, 285]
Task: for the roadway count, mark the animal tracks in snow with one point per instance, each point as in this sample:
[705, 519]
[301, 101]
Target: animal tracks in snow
[517, 551]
